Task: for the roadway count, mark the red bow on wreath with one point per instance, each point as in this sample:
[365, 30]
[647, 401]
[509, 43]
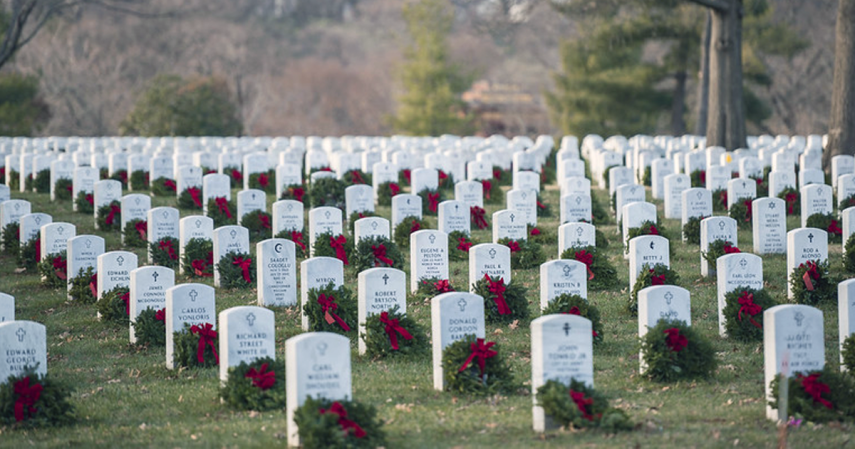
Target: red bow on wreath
[166, 245]
[407, 175]
[722, 198]
[206, 334]
[160, 315]
[393, 328]
[200, 267]
[703, 177]
[90, 199]
[728, 249]
[433, 201]
[834, 229]
[328, 306]
[337, 243]
[394, 189]
[514, 246]
[498, 289]
[575, 311]
[486, 186]
[26, 397]
[815, 389]
[791, 199]
[587, 259]
[442, 175]
[244, 266]
[478, 216]
[263, 180]
[349, 427]
[38, 245]
[415, 226]
[265, 220]
[497, 174]
[463, 244]
[170, 185]
[195, 194]
[142, 229]
[262, 378]
[356, 178]
[675, 341]
[93, 285]
[653, 230]
[380, 254]
[111, 216]
[126, 298]
[656, 279]
[443, 286]
[746, 304]
[298, 193]
[582, 403]
[481, 352]
[223, 204]
[540, 205]
[69, 188]
[297, 238]
[237, 176]
[535, 232]
[60, 266]
[810, 275]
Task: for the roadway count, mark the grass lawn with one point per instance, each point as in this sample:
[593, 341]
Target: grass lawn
[125, 396]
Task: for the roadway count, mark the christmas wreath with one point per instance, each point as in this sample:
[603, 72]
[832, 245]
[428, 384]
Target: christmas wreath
[847, 202]
[104, 173]
[63, 188]
[430, 201]
[601, 274]
[828, 223]
[719, 200]
[478, 217]
[385, 192]
[762, 186]
[11, 239]
[109, 217]
[121, 176]
[743, 313]
[324, 423]
[327, 245]
[471, 365]
[493, 194]
[235, 177]
[818, 396]
[263, 181]
[136, 233]
[430, 287]
[30, 180]
[848, 254]
[300, 239]
[327, 192]
[54, 270]
[446, 181]
[294, 192]
[716, 249]
[199, 258]
[793, 200]
[407, 226]
[196, 346]
[698, 178]
[84, 286]
[598, 212]
[150, 327]
[14, 180]
[41, 183]
[164, 252]
[354, 177]
[543, 209]
[258, 223]
[33, 400]
[459, 245]
[646, 177]
[502, 176]
[351, 221]
[190, 198]
[502, 303]
[115, 305]
[659, 274]
[524, 254]
[848, 352]
[393, 333]
[741, 212]
[580, 406]
[568, 304]
[220, 210]
[404, 177]
[139, 180]
[536, 235]
[237, 270]
[29, 254]
[647, 227]
[811, 283]
[164, 187]
[673, 350]
[258, 385]
[692, 230]
[331, 309]
[85, 203]
[377, 251]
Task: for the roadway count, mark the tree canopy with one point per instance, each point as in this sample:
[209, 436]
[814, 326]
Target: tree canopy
[22, 111]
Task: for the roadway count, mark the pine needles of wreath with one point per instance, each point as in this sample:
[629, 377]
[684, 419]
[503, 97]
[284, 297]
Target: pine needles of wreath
[377, 340]
[323, 430]
[241, 392]
[592, 410]
[497, 377]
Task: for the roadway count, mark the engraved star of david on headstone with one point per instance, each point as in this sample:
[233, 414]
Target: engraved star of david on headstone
[193, 294]
[771, 205]
[462, 304]
[250, 319]
[21, 333]
[120, 260]
[322, 348]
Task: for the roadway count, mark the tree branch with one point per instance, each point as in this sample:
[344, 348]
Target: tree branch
[718, 5]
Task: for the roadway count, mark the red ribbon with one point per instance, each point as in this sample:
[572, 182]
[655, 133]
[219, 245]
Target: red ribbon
[262, 378]
[380, 254]
[393, 328]
[325, 169]
[746, 304]
[297, 192]
[747, 204]
[656, 279]
[126, 297]
[195, 195]
[60, 266]
[90, 199]
[160, 315]
[815, 389]
[69, 188]
[540, 205]
[415, 226]
[582, 403]
[356, 178]
[791, 199]
[728, 249]
[263, 180]
[514, 246]
[535, 232]
[337, 244]
[111, 216]
[207, 334]
[675, 341]
[297, 238]
[486, 186]
[587, 259]
[481, 352]
[497, 174]
[349, 427]
[703, 177]
[433, 201]
[442, 286]
[442, 175]
[244, 266]
[26, 397]
[394, 189]
[200, 267]
[653, 230]
[223, 204]
[811, 273]
[407, 175]
[93, 285]
[170, 184]
[463, 244]
[834, 229]
[237, 176]
[142, 228]
[722, 198]
[328, 306]
[265, 220]
[575, 311]
[166, 245]
[478, 216]
[498, 288]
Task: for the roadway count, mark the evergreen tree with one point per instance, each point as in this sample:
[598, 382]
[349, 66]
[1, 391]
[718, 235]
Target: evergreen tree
[22, 111]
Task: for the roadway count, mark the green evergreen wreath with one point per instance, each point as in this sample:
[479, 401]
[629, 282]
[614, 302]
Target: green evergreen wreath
[114, 305]
[139, 180]
[62, 189]
[762, 186]
[824, 288]
[605, 274]
[741, 212]
[580, 406]
[692, 230]
[407, 226]
[430, 287]
[378, 343]
[848, 254]
[231, 273]
[199, 258]
[514, 295]
[446, 181]
[235, 177]
[81, 291]
[599, 213]
[103, 173]
[150, 327]
[164, 187]
[792, 199]
[323, 247]
[541, 236]
[121, 176]
[364, 257]
[647, 227]
[744, 322]
[259, 224]
[458, 245]
[719, 197]
[493, 193]
[606, 174]
[264, 181]
[28, 254]
[716, 249]
[53, 269]
[497, 377]
[828, 223]
[52, 408]
[136, 233]
[646, 177]
[222, 217]
[300, 239]
[426, 205]
[11, 239]
[186, 345]
[258, 385]
[14, 180]
[327, 192]
[41, 183]
[385, 192]
[358, 215]
[501, 176]
[542, 208]
[85, 203]
[109, 217]
[186, 201]
[524, 254]
[838, 394]
[30, 180]
[356, 177]
[568, 304]
[847, 202]
[327, 430]
[164, 252]
[666, 362]
[404, 177]
[848, 351]
[295, 192]
[345, 308]
[645, 279]
[698, 178]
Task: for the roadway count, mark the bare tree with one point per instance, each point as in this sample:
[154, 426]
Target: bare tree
[841, 132]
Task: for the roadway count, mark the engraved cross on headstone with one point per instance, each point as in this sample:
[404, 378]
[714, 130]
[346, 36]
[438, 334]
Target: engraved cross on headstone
[567, 329]
[810, 237]
[120, 260]
[250, 319]
[21, 334]
[462, 304]
[155, 275]
[193, 294]
[385, 279]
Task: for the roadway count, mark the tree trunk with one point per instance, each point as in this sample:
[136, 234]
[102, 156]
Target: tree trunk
[704, 79]
[726, 121]
[678, 104]
[841, 133]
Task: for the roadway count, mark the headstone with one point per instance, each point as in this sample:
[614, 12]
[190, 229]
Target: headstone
[469, 192]
[526, 180]
[577, 185]
[250, 200]
[659, 169]
[247, 333]
[228, 239]
[428, 256]
[161, 167]
[769, 225]
[287, 215]
[215, 186]
[24, 346]
[848, 217]
[405, 205]
[712, 229]
[317, 272]
[558, 277]
[780, 180]
[252, 164]
[287, 175]
[7, 308]
[454, 216]
[629, 193]
[675, 184]
[5, 193]
[148, 286]
[106, 192]
[811, 176]
[619, 176]
[489, 258]
[576, 207]
[735, 271]
[380, 289]
[661, 302]
[371, 227]
[359, 198]
[424, 179]
[134, 207]
[193, 227]
[816, 199]
[842, 164]
[740, 189]
[82, 252]
[697, 202]
[634, 214]
[11, 211]
[31, 225]
[188, 176]
[454, 316]
[84, 181]
[193, 304]
[845, 189]
[381, 173]
[54, 238]
[324, 220]
[162, 222]
[277, 272]
[804, 244]
[577, 235]
[523, 202]
[478, 170]
[114, 270]
[845, 313]
[647, 251]
[58, 170]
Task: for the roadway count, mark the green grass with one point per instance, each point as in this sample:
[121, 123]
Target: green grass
[125, 396]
